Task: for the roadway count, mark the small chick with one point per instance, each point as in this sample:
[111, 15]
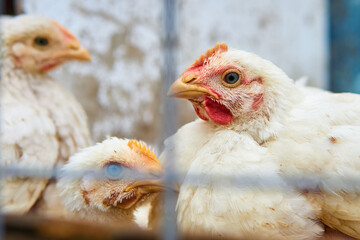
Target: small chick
[108, 192]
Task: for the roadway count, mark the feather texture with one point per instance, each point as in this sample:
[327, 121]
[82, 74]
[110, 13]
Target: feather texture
[96, 197]
[42, 123]
[311, 136]
[215, 205]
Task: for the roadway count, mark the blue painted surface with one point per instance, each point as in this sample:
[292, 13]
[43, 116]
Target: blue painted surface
[345, 45]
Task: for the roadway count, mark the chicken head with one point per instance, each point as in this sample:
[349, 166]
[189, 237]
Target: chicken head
[36, 44]
[110, 181]
[231, 86]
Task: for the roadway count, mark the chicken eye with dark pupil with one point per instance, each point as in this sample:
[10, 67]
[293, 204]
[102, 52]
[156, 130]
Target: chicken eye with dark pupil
[231, 78]
[41, 41]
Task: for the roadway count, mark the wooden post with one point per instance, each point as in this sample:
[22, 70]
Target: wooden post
[8, 7]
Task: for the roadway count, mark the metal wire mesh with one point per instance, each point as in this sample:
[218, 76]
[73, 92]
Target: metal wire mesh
[170, 113]
[267, 181]
[172, 177]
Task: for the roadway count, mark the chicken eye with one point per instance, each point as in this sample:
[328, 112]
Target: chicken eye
[113, 171]
[231, 78]
[41, 41]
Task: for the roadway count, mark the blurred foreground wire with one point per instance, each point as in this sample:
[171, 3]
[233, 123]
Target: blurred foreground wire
[170, 116]
[263, 181]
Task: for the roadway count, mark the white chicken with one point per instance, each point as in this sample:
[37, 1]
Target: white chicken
[307, 132]
[214, 201]
[42, 124]
[108, 191]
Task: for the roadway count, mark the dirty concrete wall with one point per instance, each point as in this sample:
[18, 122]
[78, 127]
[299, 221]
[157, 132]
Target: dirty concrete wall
[121, 88]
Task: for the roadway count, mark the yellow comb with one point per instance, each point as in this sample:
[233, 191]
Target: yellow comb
[219, 47]
[135, 145]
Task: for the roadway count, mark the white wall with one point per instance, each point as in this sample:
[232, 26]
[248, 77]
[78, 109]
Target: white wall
[292, 34]
[119, 87]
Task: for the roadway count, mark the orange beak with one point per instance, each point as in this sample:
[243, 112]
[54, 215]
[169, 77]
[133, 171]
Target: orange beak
[74, 51]
[188, 88]
[72, 48]
[150, 185]
[147, 186]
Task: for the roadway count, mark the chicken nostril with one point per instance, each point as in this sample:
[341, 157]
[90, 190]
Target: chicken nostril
[74, 46]
[190, 80]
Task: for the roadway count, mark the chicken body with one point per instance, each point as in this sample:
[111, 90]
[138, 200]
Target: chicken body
[42, 123]
[327, 154]
[308, 133]
[246, 209]
[211, 202]
[105, 189]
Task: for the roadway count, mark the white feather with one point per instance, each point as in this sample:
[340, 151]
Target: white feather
[42, 123]
[305, 133]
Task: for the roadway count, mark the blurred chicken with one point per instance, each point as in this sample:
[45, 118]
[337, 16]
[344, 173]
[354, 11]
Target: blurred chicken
[42, 123]
[108, 191]
[311, 133]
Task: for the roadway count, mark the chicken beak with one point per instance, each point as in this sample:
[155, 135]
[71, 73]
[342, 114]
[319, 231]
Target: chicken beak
[147, 186]
[72, 48]
[187, 87]
[75, 51]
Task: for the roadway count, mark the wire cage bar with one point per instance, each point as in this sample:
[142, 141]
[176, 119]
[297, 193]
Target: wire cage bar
[171, 176]
[170, 116]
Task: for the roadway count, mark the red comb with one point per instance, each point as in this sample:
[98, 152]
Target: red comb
[64, 31]
[219, 48]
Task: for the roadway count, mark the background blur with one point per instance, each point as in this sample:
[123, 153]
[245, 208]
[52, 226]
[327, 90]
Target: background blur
[122, 88]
